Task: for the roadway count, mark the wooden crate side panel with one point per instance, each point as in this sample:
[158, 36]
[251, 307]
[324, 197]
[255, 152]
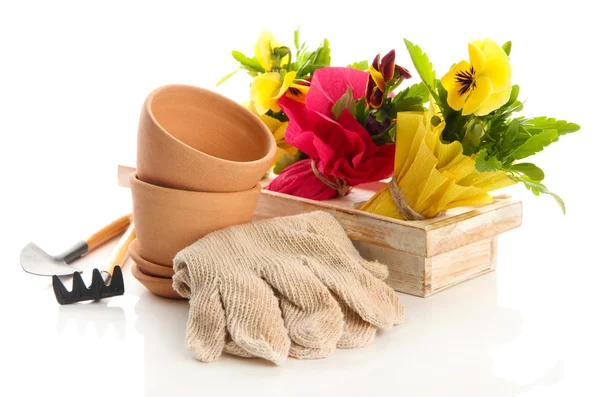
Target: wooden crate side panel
[363, 228]
[453, 267]
[406, 271]
[476, 225]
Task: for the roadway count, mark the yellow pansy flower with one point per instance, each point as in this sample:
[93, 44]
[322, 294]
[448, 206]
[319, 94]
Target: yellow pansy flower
[481, 85]
[278, 128]
[267, 88]
[264, 52]
[432, 176]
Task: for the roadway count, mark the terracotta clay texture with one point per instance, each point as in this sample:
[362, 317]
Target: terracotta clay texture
[157, 285]
[194, 139]
[168, 220]
[147, 267]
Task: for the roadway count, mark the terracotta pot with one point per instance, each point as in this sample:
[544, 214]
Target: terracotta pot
[194, 139]
[147, 267]
[168, 220]
[157, 285]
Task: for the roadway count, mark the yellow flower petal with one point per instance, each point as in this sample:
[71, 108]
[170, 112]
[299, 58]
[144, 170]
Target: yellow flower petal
[279, 132]
[377, 78]
[287, 82]
[478, 95]
[263, 50]
[476, 57]
[449, 79]
[455, 100]
[297, 92]
[499, 72]
[264, 90]
[494, 102]
[493, 51]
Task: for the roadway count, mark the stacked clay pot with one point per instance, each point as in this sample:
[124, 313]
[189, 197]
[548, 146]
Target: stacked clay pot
[200, 158]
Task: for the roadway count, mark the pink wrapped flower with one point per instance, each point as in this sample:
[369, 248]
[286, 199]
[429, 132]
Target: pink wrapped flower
[341, 152]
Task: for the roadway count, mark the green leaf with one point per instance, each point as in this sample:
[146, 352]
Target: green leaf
[323, 54]
[411, 98]
[422, 65]
[361, 111]
[285, 161]
[345, 102]
[248, 63]
[486, 163]
[311, 61]
[507, 47]
[361, 65]
[511, 133]
[531, 170]
[534, 144]
[418, 90]
[538, 124]
[297, 39]
[536, 187]
[228, 76]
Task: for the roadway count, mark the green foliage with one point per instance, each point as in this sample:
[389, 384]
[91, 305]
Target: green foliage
[411, 98]
[536, 187]
[228, 76]
[249, 64]
[486, 163]
[507, 139]
[361, 65]
[361, 111]
[531, 170]
[534, 144]
[507, 47]
[297, 39]
[309, 61]
[423, 66]
[346, 101]
[538, 124]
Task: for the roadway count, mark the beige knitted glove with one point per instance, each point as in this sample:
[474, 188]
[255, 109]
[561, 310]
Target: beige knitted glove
[298, 256]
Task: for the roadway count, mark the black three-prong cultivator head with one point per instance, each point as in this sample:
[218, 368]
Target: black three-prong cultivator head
[97, 290]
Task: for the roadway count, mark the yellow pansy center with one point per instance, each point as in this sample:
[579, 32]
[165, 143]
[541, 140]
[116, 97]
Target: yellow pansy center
[481, 85]
[466, 80]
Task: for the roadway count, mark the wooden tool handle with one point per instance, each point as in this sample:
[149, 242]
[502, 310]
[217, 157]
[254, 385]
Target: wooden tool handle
[108, 232]
[120, 252]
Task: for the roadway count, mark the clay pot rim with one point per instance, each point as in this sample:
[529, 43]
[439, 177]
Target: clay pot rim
[214, 97]
[134, 253]
[134, 180]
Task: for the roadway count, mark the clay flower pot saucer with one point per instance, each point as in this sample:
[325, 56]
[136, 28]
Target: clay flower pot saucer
[147, 267]
[168, 220]
[157, 285]
[194, 139]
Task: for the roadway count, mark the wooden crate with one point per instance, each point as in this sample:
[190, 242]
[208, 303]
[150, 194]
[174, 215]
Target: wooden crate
[423, 257]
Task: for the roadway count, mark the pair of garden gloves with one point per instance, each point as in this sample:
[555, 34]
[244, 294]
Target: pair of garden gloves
[291, 286]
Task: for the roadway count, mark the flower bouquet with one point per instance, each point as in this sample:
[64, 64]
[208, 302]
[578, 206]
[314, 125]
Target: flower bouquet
[407, 169]
[444, 143]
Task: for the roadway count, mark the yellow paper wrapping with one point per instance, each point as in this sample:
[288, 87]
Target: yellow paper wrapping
[433, 176]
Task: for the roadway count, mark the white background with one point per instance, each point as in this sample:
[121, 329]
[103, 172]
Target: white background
[73, 76]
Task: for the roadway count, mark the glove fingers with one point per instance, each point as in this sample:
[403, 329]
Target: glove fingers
[233, 349]
[372, 299]
[205, 333]
[336, 263]
[310, 353]
[311, 315]
[254, 318]
[357, 332]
